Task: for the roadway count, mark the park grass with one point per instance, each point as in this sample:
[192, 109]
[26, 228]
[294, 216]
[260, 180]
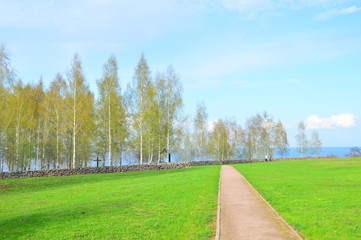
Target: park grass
[320, 198]
[167, 204]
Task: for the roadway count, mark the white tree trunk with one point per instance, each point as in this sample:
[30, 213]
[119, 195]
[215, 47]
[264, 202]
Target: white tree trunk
[57, 139]
[141, 129]
[109, 135]
[141, 144]
[37, 145]
[74, 125]
[43, 148]
[158, 149]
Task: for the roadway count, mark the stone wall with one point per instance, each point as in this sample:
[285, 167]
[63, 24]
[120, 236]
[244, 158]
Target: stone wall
[132, 168]
[94, 170]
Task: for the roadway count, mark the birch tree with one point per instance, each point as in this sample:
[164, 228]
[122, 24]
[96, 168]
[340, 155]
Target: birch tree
[80, 106]
[315, 143]
[200, 130]
[55, 109]
[137, 103]
[218, 143]
[169, 100]
[174, 103]
[281, 140]
[7, 77]
[252, 137]
[301, 139]
[111, 121]
[235, 135]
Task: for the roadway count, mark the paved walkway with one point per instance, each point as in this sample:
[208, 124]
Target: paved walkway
[244, 215]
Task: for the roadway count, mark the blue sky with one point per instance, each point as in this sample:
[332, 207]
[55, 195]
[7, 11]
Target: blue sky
[299, 60]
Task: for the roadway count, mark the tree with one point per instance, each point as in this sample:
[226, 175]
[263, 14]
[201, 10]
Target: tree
[139, 98]
[7, 77]
[200, 130]
[315, 143]
[174, 103]
[224, 140]
[301, 139]
[281, 140]
[169, 103]
[80, 105]
[218, 143]
[185, 148]
[111, 120]
[354, 152]
[55, 109]
[20, 141]
[235, 138]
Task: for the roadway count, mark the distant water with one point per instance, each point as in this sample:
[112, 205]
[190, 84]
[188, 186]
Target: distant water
[325, 151]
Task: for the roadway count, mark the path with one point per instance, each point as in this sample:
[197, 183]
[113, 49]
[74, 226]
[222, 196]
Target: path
[244, 215]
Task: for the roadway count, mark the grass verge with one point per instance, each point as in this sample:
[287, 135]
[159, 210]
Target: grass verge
[167, 204]
[320, 198]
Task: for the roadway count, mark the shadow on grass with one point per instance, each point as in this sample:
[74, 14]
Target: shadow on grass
[48, 222]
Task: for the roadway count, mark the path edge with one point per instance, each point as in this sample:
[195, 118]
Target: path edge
[218, 226]
[298, 236]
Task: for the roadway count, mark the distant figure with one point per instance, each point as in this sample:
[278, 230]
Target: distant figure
[266, 158]
[270, 158]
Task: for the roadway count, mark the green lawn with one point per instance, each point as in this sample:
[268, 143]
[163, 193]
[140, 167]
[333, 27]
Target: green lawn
[319, 198]
[168, 204]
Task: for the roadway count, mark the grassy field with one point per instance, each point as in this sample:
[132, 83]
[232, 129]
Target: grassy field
[319, 198]
[168, 204]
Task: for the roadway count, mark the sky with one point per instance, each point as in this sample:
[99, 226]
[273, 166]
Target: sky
[299, 60]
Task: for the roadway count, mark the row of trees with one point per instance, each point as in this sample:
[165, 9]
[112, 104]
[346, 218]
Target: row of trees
[65, 125]
[262, 136]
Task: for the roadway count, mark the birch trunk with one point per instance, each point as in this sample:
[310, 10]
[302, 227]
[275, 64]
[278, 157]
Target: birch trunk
[109, 135]
[37, 145]
[158, 149]
[74, 124]
[43, 150]
[57, 139]
[141, 130]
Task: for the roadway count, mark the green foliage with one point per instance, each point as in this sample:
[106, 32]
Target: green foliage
[168, 204]
[319, 198]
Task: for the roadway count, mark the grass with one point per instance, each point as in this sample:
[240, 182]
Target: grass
[319, 198]
[168, 204]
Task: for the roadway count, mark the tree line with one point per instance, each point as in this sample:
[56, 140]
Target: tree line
[65, 125]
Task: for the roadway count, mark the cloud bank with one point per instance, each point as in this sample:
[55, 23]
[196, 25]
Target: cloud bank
[344, 120]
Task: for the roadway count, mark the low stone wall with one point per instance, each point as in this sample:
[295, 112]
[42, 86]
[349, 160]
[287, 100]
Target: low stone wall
[94, 170]
[133, 168]
[205, 163]
[210, 162]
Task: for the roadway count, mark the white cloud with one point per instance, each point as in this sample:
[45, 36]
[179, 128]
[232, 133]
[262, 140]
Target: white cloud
[251, 9]
[344, 120]
[336, 12]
